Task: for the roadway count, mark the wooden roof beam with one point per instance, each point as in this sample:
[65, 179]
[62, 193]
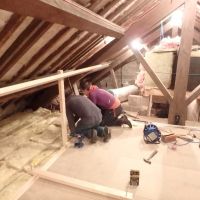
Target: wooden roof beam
[178, 107]
[141, 27]
[65, 12]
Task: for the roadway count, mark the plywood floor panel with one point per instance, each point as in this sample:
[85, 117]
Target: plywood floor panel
[172, 175]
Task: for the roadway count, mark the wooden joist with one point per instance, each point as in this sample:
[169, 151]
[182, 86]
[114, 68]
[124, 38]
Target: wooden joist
[39, 82]
[83, 185]
[65, 12]
[178, 106]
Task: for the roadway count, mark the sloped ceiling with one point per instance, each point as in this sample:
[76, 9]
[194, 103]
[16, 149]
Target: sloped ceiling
[31, 48]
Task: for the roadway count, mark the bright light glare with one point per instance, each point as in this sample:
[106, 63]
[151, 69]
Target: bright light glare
[108, 39]
[137, 44]
[176, 18]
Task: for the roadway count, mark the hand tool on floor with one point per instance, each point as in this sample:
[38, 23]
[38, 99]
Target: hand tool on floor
[152, 134]
[134, 177]
[150, 156]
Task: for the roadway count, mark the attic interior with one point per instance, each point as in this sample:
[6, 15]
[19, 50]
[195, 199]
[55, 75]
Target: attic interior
[146, 53]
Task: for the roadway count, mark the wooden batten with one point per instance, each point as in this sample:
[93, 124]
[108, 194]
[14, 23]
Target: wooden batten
[83, 185]
[112, 72]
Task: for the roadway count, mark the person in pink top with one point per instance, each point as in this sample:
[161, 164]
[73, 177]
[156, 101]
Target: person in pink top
[110, 105]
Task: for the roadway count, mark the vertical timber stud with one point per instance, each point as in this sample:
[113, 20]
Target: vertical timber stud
[75, 88]
[178, 107]
[61, 87]
[112, 72]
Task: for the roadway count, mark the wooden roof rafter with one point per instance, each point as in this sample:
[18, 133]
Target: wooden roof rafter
[40, 53]
[50, 57]
[128, 54]
[172, 7]
[12, 24]
[142, 26]
[70, 63]
[72, 52]
[134, 14]
[30, 35]
[68, 42]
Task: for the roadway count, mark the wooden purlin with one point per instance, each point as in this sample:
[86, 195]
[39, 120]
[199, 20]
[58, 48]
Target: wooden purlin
[65, 12]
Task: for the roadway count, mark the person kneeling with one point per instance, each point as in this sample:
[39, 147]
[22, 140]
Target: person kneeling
[84, 119]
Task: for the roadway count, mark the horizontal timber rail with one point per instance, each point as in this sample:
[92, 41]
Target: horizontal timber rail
[39, 82]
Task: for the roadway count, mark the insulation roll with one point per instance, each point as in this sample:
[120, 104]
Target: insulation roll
[123, 92]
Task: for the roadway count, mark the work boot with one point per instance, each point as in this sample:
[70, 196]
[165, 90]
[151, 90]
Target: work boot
[124, 120]
[93, 138]
[106, 134]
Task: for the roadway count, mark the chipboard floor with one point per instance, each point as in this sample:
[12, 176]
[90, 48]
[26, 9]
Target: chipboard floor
[172, 175]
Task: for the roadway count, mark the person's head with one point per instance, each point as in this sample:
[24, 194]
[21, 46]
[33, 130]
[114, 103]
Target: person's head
[85, 86]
